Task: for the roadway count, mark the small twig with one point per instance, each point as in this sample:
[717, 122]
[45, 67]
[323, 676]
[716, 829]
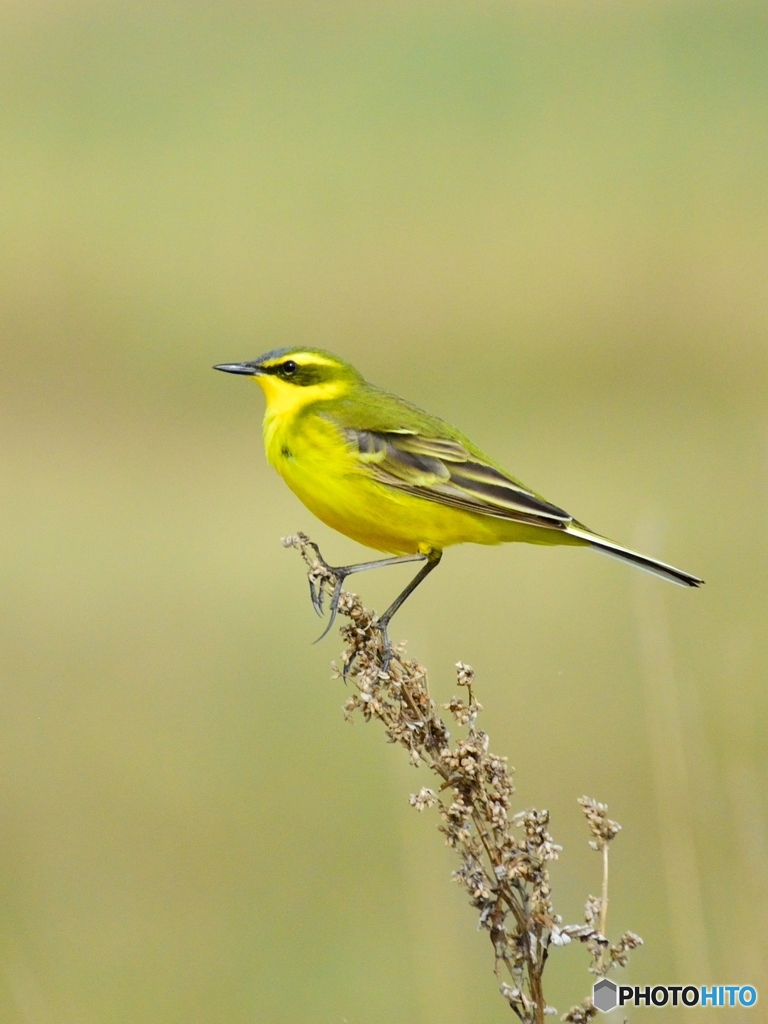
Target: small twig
[604, 902]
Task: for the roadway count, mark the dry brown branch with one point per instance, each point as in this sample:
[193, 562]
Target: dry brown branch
[504, 856]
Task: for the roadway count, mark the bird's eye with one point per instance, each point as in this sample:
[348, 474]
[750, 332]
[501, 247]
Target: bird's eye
[289, 368]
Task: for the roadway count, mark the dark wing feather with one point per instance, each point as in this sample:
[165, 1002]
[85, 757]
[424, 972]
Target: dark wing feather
[444, 471]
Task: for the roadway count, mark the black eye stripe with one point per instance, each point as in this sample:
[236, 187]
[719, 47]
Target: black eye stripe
[299, 374]
[286, 369]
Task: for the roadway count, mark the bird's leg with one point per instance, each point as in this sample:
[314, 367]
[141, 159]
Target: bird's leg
[340, 573]
[433, 560]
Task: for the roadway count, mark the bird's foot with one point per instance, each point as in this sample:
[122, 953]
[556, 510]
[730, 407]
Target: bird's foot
[321, 576]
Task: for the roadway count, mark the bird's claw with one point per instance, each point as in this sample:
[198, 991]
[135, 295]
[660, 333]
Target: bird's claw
[317, 581]
[316, 593]
[334, 606]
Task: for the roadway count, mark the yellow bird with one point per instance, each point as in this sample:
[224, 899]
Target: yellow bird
[395, 478]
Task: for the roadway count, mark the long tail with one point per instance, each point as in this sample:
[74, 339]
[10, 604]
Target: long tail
[607, 547]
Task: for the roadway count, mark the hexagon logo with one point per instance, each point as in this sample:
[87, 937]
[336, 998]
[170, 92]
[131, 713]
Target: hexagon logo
[604, 995]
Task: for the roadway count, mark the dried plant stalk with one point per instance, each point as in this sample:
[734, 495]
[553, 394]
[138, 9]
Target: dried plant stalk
[504, 857]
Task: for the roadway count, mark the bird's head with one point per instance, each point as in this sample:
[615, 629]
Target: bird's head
[294, 377]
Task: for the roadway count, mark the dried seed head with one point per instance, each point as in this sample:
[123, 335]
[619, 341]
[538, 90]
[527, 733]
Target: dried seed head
[600, 825]
[423, 799]
[580, 1014]
[465, 674]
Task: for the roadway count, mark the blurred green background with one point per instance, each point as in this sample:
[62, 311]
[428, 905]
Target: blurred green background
[545, 221]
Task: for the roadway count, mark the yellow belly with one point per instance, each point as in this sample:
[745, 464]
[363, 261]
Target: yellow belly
[320, 468]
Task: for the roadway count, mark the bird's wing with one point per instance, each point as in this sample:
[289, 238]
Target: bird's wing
[445, 471]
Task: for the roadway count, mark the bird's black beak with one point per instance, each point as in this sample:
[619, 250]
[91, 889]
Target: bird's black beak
[249, 369]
